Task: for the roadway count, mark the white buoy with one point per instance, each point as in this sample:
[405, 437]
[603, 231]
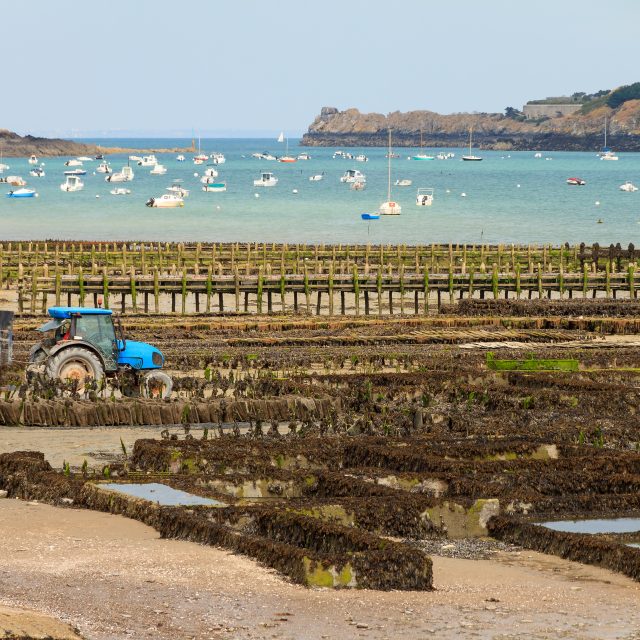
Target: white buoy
[295, 191]
[257, 195]
[448, 191]
[518, 186]
[97, 196]
[37, 195]
[463, 195]
[218, 206]
[597, 203]
[195, 175]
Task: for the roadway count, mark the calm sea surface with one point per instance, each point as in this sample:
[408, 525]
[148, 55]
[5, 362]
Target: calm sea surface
[510, 197]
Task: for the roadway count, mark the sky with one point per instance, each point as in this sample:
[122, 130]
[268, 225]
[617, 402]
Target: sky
[242, 68]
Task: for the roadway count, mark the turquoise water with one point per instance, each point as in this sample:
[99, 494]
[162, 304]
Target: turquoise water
[616, 525]
[543, 209]
[162, 494]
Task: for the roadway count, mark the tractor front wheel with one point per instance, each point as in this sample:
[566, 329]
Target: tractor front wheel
[75, 363]
[156, 384]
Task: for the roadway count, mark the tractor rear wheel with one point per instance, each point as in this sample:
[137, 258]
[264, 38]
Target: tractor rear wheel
[156, 384]
[75, 363]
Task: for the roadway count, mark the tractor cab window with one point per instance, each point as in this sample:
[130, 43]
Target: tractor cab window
[98, 330]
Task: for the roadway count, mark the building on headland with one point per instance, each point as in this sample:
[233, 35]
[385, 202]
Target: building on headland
[535, 111]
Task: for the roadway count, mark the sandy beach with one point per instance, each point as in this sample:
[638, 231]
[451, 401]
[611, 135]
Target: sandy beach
[114, 578]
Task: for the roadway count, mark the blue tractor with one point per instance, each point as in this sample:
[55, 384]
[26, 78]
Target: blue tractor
[89, 344]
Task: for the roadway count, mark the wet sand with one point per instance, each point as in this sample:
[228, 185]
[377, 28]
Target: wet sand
[114, 578]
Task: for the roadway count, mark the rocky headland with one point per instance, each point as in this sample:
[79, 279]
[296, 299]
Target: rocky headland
[14, 145]
[574, 132]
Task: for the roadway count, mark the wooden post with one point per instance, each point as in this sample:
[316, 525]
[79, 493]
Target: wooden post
[184, 292]
[156, 290]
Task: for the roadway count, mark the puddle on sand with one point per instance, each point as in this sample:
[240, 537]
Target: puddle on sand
[162, 494]
[615, 525]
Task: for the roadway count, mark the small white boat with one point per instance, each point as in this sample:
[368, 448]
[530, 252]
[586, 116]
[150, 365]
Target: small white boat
[15, 181]
[389, 207]
[201, 158]
[217, 158]
[256, 155]
[267, 156]
[73, 183]
[166, 201]
[22, 193]
[120, 191]
[609, 155]
[135, 158]
[177, 189]
[76, 172]
[358, 185]
[470, 157]
[267, 179]
[38, 172]
[124, 175]
[338, 154]
[537, 155]
[180, 158]
[304, 156]
[215, 186]
[158, 170]
[148, 161]
[628, 186]
[103, 167]
[576, 182]
[4, 167]
[85, 159]
[403, 183]
[316, 178]
[210, 173]
[353, 175]
[424, 197]
[361, 158]
[73, 163]
[33, 160]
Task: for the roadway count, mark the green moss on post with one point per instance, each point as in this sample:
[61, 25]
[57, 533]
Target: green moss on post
[209, 287]
[133, 290]
[518, 287]
[356, 288]
[450, 283]
[156, 290]
[631, 278]
[607, 279]
[105, 289]
[539, 281]
[585, 280]
[494, 282]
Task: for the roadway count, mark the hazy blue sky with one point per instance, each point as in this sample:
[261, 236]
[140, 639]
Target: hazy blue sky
[242, 67]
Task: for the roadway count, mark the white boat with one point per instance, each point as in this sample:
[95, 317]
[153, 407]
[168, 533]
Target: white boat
[103, 167]
[422, 155]
[267, 156]
[471, 157]
[22, 193]
[361, 158]
[389, 207]
[424, 197]
[217, 158]
[73, 183]
[208, 179]
[124, 175]
[210, 173]
[73, 163]
[158, 170]
[606, 153]
[286, 157]
[628, 186]
[257, 155]
[316, 178]
[353, 175]
[304, 156]
[537, 155]
[85, 159]
[215, 186]
[4, 167]
[267, 179]
[180, 158]
[76, 172]
[15, 181]
[33, 160]
[135, 158]
[358, 185]
[148, 161]
[403, 183]
[38, 172]
[120, 191]
[177, 189]
[166, 201]
[338, 154]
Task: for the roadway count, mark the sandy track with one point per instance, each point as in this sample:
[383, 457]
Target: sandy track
[114, 578]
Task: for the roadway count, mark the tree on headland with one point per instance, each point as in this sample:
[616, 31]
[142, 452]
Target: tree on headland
[513, 113]
[624, 93]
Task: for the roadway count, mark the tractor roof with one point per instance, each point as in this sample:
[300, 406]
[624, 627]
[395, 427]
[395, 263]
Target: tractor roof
[63, 313]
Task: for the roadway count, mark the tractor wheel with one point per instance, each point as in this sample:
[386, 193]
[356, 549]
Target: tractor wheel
[156, 384]
[75, 363]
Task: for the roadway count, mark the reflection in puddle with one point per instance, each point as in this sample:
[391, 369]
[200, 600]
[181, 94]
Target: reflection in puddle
[162, 494]
[615, 525]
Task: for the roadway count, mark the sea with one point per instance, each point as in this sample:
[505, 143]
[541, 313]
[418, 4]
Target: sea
[509, 197]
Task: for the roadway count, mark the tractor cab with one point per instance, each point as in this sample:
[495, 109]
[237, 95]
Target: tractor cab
[85, 343]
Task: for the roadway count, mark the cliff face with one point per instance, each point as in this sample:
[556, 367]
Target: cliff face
[11, 144]
[573, 132]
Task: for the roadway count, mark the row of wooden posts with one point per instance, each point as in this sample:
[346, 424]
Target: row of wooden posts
[362, 290]
[249, 258]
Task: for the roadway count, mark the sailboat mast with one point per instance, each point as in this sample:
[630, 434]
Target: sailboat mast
[389, 165]
[605, 132]
[470, 137]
